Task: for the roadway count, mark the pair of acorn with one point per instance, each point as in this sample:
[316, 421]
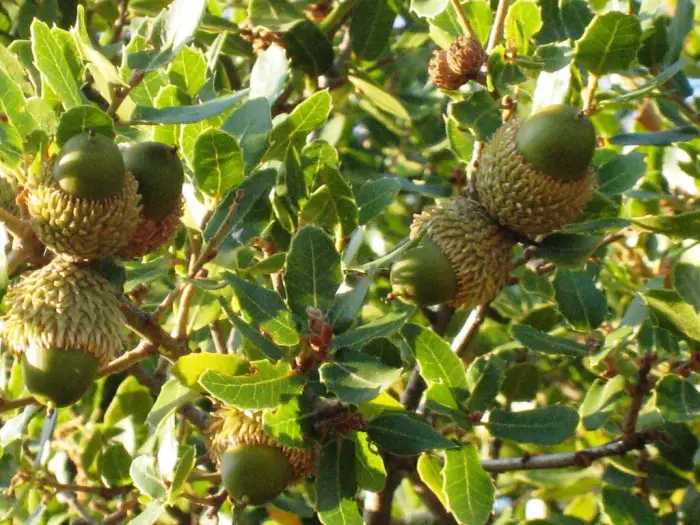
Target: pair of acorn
[92, 201]
[534, 177]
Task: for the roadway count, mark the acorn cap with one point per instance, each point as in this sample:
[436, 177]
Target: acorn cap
[151, 235]
[63, 307]
[559, 141]
[160, 176]
[424, 276]
[441, 74]
[522, 197]
[466, 56]
[231, 427]
[89, 166]
[80, 228]
[480, 252]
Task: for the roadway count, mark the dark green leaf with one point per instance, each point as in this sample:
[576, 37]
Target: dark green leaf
[479, 113]
[575, 15]
[254, 337]
[406, 434]
[621, 506]
[312, 273]
[610, 43]
[275, 15]
[484, 377]
[686, 276]
[567, 250]
[468, 489]
[542, 342]
[265, 308]
[114, 466]
[437, 363]
[336, 485]
[521, 382]
[251, 125]
[309, 48]
[621, 174]
[376, 195]
[267, 387]
[540, 426]
[382, 327]
[371, 27]
[677, 398]
[583, 305]
[131, 400]
[356, 377]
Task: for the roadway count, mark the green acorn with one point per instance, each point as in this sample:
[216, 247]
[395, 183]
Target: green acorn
[534, 176]
[424, 276]
[477, 249]
[239, 443]
[85, 205]
[160, 176]
[65, 322]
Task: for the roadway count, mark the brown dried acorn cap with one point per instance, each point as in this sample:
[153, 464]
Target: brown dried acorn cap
[466, 56]
[440, 73]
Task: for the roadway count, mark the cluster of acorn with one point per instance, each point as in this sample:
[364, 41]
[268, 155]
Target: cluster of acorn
[91, 201]
[534, 177]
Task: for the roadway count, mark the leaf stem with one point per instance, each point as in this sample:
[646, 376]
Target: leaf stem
[464, 21]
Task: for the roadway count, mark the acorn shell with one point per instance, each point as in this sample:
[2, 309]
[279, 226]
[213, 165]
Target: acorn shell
[64, 307]
[480, 252]
[79, 228]
[521, 197]
[231, 427]
[255, 474]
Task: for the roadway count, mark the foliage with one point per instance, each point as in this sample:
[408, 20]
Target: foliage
[311, 134]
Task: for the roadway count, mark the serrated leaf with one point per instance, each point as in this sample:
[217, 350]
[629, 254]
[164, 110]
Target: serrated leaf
[436, 361]
[342, 200]
[583, 305]
[312, 272]
[621, 506]
[146, 478]
[539, 426]
[52, 62]
[371, 27]
[621, 174]
[267, 387]
[291, 423]
[379, 97]
[677, 398]
[539, 341]
[187, 114]
[671, 311]
[275, 15]
[401, 433]
[683, 225]
[478, 113]
[13, 105]
[254, 337]
[266, 308]
[469, 492]
[374, 196]
[81, 119]
[599, 400]
[383, 327]
[369, 465]
[356, 377]
[185, 464]
[309, 48]
[568, 250]
[686, 276]
[218, 162]
[171, 397]
[188, 368]
[575, 16]
[336, 485]
[610, 43]
[523, 21]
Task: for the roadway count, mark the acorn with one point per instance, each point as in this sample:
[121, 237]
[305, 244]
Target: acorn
[85, 204]
[465, 56]
[535, 175]
[440, 73]
[64, 321]
[160, 176]
[479, 251]
[424, 276]
[240, 445]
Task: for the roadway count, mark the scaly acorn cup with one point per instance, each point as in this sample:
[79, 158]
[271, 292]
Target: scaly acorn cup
[534, 175]
[65, 322]
[465, 56]
[440, 73]
[240, 445]
[85, 205]
[479, 250]
[160, 176]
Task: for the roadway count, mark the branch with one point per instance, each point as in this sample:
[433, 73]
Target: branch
[466, 25]
[442, 515]
[127, 360]
[120, 93]
[470, 328]
[377, 508]
[497, 27]
[580, 458]
[142, 323]
[11, 404]
[19, 228]
[639, 392]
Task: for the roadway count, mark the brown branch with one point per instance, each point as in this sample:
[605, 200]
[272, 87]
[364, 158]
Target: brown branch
[104, 492]
[127, 360]
[466, 25]
[120, 93]
[122, 21]
[143, 325]
[438, 510]
[580, 458]
[497, 26]
[377, 508]
[11, 404]
[470, 328]
[639, 392]
[217, 338]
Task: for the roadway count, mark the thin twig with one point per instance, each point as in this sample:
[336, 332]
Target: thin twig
[120, 93]
[580, 458]
[466, 25]
[497, 26]
[217, 338]
[141, 323]
[588, 106]
[469, 329]
[127, 360]
[639, 392]
[11, 404]
[377, 508]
